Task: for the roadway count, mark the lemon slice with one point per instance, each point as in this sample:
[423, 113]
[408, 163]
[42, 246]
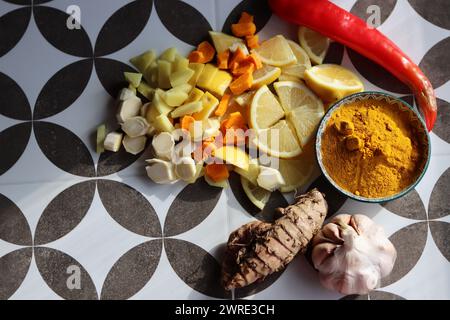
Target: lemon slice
[332, 82]
[315, 44]
[279, 141]
[265, 75]
[294, 94]
[265, 110]
[303, 62]
[296, 172]
[258, 196]
[276, 52]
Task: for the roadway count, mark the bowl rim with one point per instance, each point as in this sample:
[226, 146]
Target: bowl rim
[349, 194]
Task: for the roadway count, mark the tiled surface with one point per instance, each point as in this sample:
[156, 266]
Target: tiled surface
[63, 205]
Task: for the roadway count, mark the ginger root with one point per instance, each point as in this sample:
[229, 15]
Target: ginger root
[258, 249]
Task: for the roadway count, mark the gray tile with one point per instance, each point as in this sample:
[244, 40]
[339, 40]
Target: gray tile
[132, 271]
[64, 212]
[14, 267]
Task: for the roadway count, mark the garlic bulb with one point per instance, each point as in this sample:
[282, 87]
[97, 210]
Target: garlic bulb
[352, 254]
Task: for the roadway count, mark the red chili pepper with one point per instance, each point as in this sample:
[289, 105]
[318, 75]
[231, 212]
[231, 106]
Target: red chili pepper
[330, 20]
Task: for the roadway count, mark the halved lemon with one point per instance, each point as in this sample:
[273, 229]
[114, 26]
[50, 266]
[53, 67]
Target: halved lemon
[276, 52]
[265, 110]
[332, 82]
[279, 141]
[296, 172]
[303, 62]
[257, 195]
[315, 44]
[265, 76]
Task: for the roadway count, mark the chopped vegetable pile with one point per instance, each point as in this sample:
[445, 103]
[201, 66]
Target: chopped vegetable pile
[221, 109]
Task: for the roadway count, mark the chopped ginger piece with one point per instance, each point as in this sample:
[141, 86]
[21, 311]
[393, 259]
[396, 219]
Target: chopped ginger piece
[222, 59]
[246, 18]
[241, 84]
[223, 105]
[243, 29]
[196, 57]
[252, 41]
[217, 172]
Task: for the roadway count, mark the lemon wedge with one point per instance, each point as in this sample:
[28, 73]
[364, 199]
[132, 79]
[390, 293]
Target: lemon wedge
[332, 82]
[257, 195]
[265, 110]
[315, 44]
[296, 172]
[303, 108]
[276, 52]
[294, 94]
[265, 76]
[303, 62]
[278, 141]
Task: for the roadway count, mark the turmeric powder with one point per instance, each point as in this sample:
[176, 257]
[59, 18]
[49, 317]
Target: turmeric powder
[370, 148]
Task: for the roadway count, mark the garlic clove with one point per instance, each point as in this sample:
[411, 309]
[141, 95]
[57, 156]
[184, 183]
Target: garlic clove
[125, 94]
[144, 109]
[163, 144]
[185, 168]
[128, 108]
[270, 179]
[134, 145]
[135, 127]
[160, 171]
[113, 141]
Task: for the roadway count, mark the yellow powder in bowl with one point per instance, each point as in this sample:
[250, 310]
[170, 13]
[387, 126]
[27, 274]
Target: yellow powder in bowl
[372, 148]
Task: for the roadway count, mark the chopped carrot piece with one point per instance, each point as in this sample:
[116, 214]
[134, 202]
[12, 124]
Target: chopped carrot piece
[217, 172]
[186, 122]
[196, 57]
[222, 59]
[235, 121]
[245, 17]
[223, 105]
[243, 67]
[252, 41]
[238, 56]
[241, 84]
[253, 57]
[208, 51]
[243, 29]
